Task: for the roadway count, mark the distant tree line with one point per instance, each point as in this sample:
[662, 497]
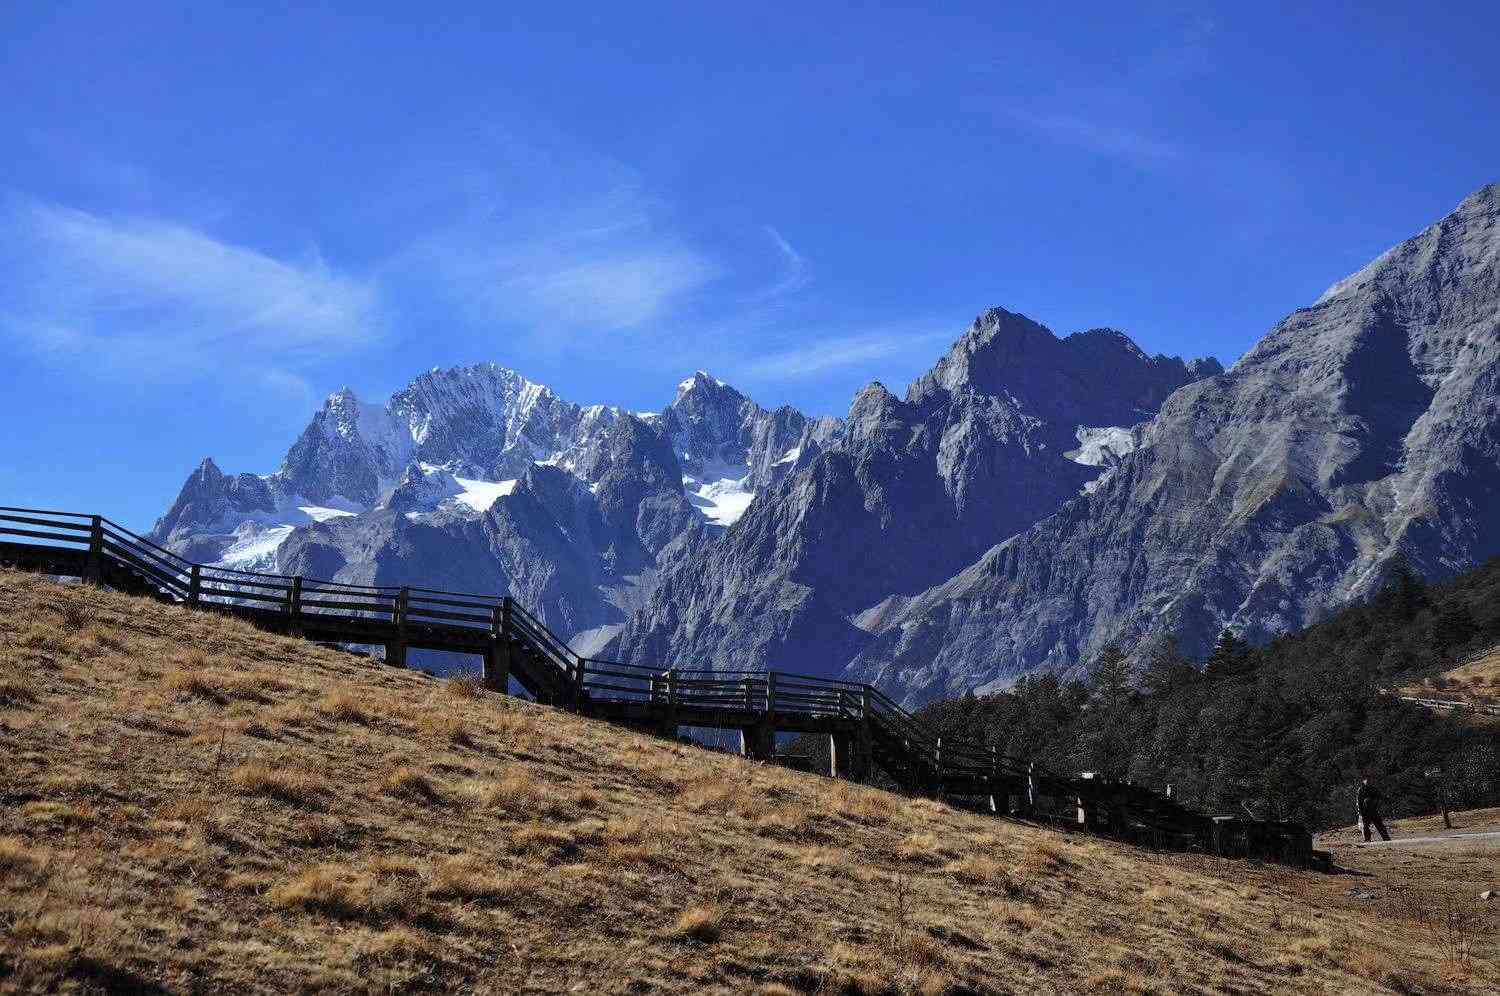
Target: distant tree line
[1283, 731]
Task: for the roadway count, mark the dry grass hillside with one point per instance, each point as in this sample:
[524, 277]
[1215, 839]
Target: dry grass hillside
[1476, 681]
[187, 804]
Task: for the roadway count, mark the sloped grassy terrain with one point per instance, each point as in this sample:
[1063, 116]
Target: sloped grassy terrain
[1477, 681]
[189, 804]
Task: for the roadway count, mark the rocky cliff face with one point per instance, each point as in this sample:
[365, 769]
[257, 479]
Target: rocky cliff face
[1360, 429]
[906, 493]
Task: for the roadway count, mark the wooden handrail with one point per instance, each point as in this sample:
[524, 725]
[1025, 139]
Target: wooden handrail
[763, 692]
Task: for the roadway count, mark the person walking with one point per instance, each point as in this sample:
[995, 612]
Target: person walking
[1367, 802]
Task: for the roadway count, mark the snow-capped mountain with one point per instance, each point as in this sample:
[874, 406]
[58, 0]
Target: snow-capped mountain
[477, 479]
[568, 506]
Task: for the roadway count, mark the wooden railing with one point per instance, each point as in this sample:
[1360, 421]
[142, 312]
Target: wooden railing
[1452, 704]
[597, 679]
[95, 548]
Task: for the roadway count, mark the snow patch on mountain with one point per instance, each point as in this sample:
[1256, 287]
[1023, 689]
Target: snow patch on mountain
[254, 548]
[722, 497]
[320, 514]
[480, 495]
[720, 490]
[1102, 446]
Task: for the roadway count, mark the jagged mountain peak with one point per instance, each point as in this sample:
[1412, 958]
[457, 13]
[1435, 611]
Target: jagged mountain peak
[701, 384]
[484, 370]
[1205, 366]
[1107, 339]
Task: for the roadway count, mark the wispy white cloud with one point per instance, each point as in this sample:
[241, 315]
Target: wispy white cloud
[1096, 116]
[795, 274]
[1101, 137]
[559, 262]
[614, 292]
[147, 298]
[833, 353]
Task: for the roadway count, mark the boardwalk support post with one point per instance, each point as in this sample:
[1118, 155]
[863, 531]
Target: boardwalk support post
[497, 654]
[861, 756]
[294, 606]
[840, 747]
[994, 776]
[758, 739]
[395, 650]
[937, 769]
[766, 735]
[1088, 812]
[93, 569]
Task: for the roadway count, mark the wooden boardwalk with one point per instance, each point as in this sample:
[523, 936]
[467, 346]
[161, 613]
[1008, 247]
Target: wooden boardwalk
[866, 729]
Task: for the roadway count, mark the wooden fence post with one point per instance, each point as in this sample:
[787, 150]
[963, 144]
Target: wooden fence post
[669, 725]
[294, 605]
[937, 767]
[862, 760]
[994, 775]
[497, 654]
[395, 650]
[768, 735]
[94, 567]
[195, 585]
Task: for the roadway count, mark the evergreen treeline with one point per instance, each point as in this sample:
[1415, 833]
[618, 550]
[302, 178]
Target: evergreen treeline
[1283, 731]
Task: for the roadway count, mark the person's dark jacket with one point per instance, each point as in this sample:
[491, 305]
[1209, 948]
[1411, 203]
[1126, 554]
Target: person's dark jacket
[1367, 799]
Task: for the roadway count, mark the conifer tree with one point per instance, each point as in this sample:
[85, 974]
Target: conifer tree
[1231, 656]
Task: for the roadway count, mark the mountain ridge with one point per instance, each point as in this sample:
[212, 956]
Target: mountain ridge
[1359, 431]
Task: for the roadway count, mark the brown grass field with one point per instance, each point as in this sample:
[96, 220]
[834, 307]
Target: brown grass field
[1477, 681]
[189, 805]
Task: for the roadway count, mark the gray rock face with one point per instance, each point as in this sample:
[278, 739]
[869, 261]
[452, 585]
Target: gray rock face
[728, 446]
[902, 495]
[1361, 428]
[941, 544]
[540, 543]
[207, 508]
[476, 479]
[348, 452]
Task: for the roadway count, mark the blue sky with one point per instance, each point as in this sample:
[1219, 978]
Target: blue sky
[211, 216]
